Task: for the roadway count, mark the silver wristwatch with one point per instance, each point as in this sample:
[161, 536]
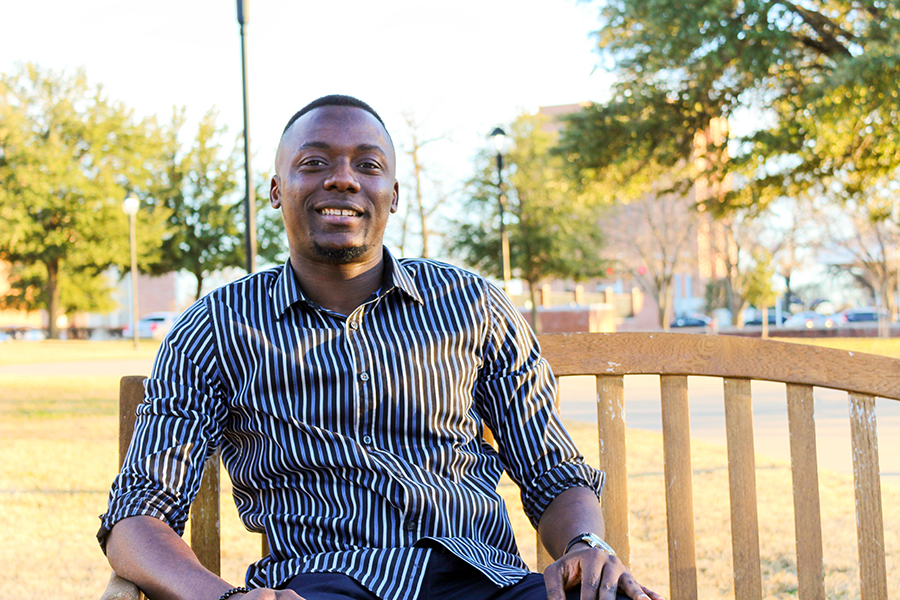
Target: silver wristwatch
[591, 539]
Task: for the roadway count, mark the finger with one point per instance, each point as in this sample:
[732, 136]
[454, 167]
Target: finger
[651, 594]
[591, 575]
[554, 583]
[609, 579]
[628, 586]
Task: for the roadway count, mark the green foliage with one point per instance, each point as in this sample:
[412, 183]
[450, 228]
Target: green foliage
[68, 155]
[552, 226]
[715, 295]
[271, 241]
[198, 190]
[810, 90]
[758, 289]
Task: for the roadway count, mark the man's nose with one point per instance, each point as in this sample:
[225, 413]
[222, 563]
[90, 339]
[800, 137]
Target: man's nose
[342, 178]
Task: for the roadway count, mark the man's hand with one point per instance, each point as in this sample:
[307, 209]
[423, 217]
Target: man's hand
[600, 575]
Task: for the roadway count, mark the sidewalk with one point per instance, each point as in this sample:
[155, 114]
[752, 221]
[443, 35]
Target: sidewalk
[90, 368]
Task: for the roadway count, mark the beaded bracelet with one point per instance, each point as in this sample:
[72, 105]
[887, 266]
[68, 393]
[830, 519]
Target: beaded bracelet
[233, 591]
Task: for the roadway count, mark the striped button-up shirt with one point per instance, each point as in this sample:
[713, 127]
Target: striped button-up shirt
[355, 442]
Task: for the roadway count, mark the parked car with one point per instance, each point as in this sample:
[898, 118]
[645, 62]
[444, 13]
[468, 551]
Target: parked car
[31, 335]
[152, 326]
[4, 337]
[772, 318]
[809, 319]
[859, 314]
[690, 320]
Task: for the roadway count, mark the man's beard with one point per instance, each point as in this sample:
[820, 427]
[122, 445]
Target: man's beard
[340, 256]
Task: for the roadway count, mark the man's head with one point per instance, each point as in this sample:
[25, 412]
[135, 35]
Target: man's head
[335, 181]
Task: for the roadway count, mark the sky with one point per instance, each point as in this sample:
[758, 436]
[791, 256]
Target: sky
[460, 68]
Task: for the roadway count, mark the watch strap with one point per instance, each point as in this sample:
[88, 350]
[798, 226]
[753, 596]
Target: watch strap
[591, 539]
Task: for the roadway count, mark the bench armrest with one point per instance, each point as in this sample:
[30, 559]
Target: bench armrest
[121, 589]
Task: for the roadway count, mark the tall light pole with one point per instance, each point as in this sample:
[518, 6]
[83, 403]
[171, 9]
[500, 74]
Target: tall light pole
[498, 136]
[130, 207]
[250, 193]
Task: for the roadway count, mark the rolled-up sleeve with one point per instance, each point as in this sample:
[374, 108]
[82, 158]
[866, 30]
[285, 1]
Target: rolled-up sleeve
[176, 429]
[516, 394]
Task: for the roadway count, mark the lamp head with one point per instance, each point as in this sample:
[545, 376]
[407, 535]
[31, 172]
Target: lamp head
[131, 205]
[498, 136]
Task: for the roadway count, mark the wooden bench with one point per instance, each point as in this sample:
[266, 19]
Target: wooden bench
[674, 357]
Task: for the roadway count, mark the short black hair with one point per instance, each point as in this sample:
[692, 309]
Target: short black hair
[333, 100]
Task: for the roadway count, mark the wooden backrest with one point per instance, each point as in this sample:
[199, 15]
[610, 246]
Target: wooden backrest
[205, 511]
[674, 356]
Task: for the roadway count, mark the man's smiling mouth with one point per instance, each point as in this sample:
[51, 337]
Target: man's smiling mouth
[338, 212]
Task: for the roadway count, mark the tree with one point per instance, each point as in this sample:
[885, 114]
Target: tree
[659, 234]
[867, 234]
[758, 288]
[424, 196]
[68, 156]
[198, 192]
[553, 227]
[817, 80]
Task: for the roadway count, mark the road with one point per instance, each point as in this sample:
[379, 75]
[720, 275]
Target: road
[770, 425]
[642, 411]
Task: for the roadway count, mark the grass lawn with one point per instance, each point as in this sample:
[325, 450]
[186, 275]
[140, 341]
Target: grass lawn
[882, 346]
[58, 457]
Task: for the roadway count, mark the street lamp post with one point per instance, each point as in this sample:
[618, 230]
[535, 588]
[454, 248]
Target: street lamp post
[130, 207]
[250, 193]
[498, 136]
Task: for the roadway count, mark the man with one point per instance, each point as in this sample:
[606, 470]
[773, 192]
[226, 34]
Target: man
[348, 392]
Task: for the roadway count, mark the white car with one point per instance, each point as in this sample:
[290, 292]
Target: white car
[152, 326]
[809, 319]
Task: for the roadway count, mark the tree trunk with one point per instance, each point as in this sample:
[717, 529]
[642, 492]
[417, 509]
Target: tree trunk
[765, 321]
[662, 300]
[199, 278]
[52, 298]
[532, 293]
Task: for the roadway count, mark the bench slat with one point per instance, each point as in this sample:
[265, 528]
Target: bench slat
[867, 483]
[544, 559]
[206, 517]
[742, 484]
[804, 474]
[679, 493]
[131, 393]
[630, 353]
[611, 434]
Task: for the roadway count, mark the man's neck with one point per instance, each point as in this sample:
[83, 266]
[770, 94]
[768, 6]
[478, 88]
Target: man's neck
[339, 288]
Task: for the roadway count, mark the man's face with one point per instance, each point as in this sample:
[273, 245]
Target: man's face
[335, 185]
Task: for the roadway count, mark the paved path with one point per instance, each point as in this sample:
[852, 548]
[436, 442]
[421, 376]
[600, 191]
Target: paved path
[642, 411]
[117, 368]
[770, 426]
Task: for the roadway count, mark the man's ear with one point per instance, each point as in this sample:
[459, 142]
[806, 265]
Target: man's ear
[275, 192]
[395, 204]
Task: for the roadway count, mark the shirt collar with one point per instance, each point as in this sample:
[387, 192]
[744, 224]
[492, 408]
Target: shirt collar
[286, 290]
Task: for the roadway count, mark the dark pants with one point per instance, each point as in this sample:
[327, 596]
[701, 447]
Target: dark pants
[446, 578]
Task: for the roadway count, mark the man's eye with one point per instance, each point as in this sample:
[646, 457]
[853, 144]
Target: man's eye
[312, 162]
[369, 165]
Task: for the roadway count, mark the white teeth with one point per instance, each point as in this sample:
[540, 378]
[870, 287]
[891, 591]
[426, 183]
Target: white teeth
[338, 212]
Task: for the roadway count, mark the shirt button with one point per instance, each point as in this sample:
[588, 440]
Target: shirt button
[363, 376]
[411, 527]
[367, 439]
[354, 325]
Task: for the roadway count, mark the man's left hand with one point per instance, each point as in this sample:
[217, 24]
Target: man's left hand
[599, 574]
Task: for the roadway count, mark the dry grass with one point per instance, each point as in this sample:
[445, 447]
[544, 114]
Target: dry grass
[58, 458]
